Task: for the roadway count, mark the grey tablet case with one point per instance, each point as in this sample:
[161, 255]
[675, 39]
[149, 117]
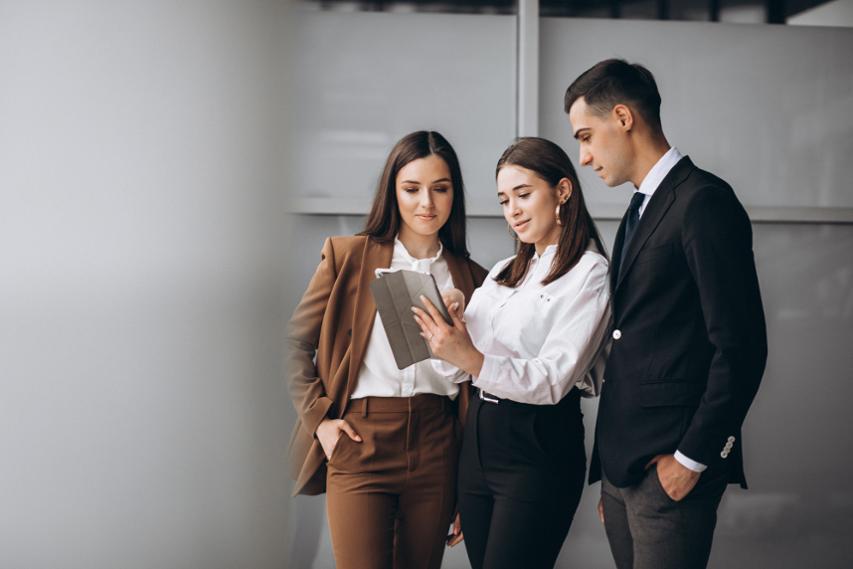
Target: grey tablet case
[395, 293]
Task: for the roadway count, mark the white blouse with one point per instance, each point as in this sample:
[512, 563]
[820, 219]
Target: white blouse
[540, 341]
[379, 375]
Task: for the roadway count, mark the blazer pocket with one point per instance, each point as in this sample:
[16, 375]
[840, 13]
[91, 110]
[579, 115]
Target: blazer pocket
[670, 393]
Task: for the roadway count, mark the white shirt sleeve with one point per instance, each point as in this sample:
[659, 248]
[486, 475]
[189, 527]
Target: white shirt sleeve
[571, 344]
[689, 463]
[449, 371]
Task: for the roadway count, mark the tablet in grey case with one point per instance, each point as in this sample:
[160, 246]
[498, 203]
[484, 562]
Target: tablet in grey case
[395, 293]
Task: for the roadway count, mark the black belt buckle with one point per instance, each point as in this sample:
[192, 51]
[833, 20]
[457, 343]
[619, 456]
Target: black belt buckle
[488, 397]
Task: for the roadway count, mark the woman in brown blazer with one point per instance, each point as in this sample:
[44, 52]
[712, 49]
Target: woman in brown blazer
[382, 442]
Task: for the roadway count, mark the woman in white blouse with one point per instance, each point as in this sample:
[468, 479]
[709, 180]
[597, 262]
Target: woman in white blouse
[531, 341]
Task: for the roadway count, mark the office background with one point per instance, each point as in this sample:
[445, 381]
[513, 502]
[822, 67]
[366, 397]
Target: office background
[168, 172]
[763, 106]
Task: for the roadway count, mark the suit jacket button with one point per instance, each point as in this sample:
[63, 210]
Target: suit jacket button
[617, 334]
[731, 439]
[724, 454]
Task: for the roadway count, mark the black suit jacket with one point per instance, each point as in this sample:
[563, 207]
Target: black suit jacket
[690, 341]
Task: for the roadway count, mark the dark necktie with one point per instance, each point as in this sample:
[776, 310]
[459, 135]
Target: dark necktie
[632, 218]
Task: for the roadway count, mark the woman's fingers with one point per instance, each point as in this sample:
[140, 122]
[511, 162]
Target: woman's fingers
[347, 428]
[425, 322]
[432, 310]
[428, 322]
[448, 298]
[452, 296]
[458, 323]
[455, 535]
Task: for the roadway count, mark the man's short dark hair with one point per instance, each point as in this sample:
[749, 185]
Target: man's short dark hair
[615, 81]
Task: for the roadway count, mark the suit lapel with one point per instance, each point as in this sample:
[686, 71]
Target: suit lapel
[462, 278]
[655, 211]
[375, 256]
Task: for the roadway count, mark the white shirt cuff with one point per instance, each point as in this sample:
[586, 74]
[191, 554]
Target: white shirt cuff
[689, 463]
[482, 381]
[449, 371]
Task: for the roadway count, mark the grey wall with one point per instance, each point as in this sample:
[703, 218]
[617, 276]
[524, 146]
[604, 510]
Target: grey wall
[141, 408]
[142, 418]
[363, 80]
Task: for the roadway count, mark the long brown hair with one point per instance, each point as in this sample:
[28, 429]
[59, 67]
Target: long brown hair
[552, 164]
[383, 223]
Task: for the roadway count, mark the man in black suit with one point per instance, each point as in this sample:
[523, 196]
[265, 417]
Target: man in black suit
[689, 339]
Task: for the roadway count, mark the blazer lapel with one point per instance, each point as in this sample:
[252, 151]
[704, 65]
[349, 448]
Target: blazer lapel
[375, 256]
[462, 278]
[657, 207]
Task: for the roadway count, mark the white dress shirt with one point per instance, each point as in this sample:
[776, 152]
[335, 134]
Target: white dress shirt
[648, 186]
[379, 375]
[656, 175]
[540, 341]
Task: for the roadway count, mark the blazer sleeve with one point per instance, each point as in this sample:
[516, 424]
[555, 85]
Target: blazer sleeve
[306, 387]
[717, 241]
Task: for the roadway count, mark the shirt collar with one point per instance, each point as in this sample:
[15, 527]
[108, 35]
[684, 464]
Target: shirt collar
[659, 171]
[421, 265]
[549, 250]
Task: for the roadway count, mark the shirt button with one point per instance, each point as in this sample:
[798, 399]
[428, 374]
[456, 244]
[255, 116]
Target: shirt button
[617, 334]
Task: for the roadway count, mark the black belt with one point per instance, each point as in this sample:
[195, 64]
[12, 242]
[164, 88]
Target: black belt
[494, 399]
[488, 397]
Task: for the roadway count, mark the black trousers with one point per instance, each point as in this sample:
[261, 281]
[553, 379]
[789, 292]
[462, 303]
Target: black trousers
[521, 474]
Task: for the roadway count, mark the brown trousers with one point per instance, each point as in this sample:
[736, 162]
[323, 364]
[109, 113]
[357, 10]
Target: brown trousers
[391, 497]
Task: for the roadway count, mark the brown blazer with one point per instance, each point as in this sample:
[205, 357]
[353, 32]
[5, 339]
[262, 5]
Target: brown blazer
[334, 320]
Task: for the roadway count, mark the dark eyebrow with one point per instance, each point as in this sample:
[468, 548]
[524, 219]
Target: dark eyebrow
[441, 180]
[580, 130]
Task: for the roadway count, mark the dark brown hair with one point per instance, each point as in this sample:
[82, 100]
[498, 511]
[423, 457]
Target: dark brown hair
[552, 164]
[383, 223]
[615, 81]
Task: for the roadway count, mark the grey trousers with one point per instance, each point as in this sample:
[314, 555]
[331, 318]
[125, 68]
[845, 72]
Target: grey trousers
[649, 530]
